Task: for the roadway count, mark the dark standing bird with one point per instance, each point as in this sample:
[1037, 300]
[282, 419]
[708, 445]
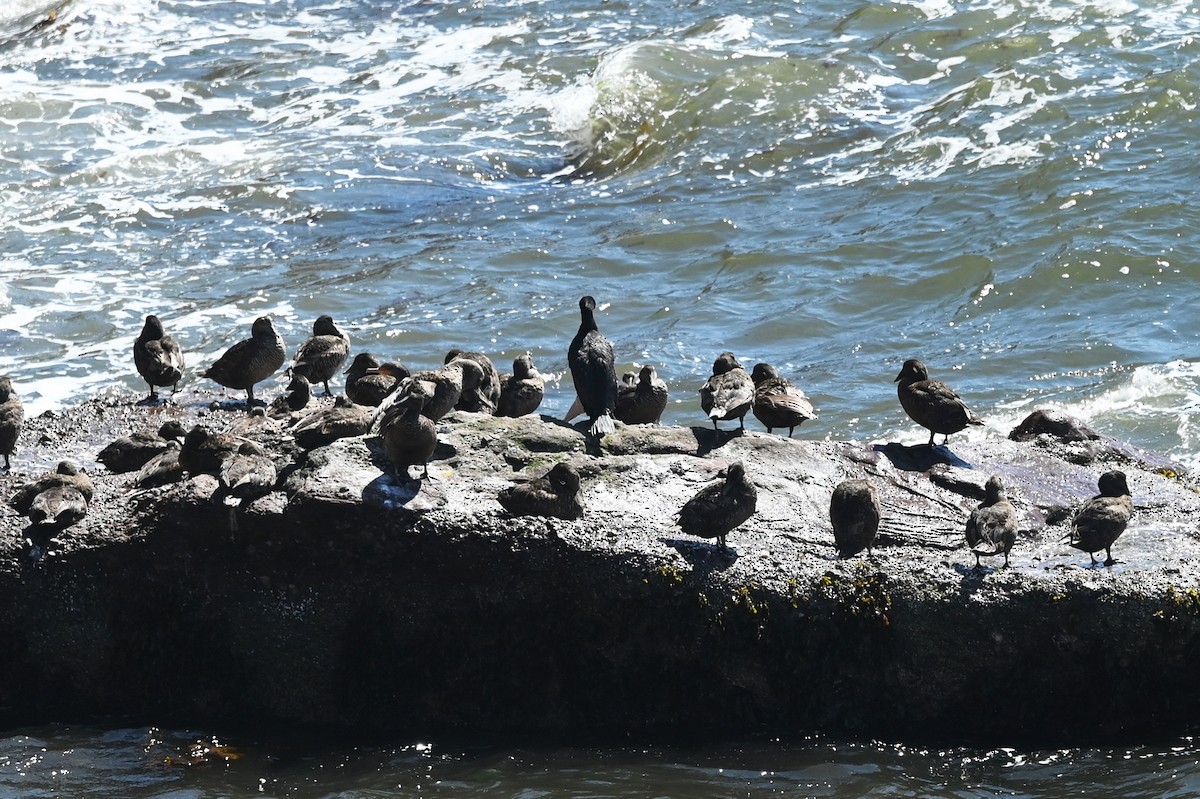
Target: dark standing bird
[521, 392]
[720, 507]
[409, 437]
[369, 382]
[778, 403]
[486, 396]
[251, 360]
[132, 452]
[319, 358]
[993, 524]
[552, 494]
[1103, 518]
[157, 357]
[932, 403]
[590, 357]
[728, 393]
[641, 397]
[12, 415]
[854, 514]
[58, 499]
[324, 426]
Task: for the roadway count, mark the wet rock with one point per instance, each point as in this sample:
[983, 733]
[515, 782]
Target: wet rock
[348, 597]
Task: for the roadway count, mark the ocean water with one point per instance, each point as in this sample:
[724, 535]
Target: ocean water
[1002, 188]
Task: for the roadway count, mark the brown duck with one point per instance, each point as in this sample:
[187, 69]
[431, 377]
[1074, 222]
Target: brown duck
[12, 416]
[58, 499]
[485, 396]
[720, 507]
[728, 393]
[777, 402]
[641, 397]
[932, 403]
[132, 452]
[157, 357]
[854, 514]
[369, 382]
[343, 420]
[521, 392]
[1103, 518]
[204, 452]
[992, 527]
[409, 437]
[322, 355]
[251, 360]
[553, 494]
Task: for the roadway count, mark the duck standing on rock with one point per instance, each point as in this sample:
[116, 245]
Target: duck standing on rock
[409, 437]
[993, 524]
[1103, 518]
[728, 393]
[932, 403]
[778, 403]
[369, 382]
[554, 494]
[320, 357]
[55, 500]
[486, 396]
[251, 360]
[720, 507]
[590, 356]
[521, 392]
[854, 514]
[641, 397]
[157, 357]
[12, 416]
[132, 452]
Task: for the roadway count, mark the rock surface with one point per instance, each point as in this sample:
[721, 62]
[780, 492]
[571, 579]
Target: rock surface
[346, 597]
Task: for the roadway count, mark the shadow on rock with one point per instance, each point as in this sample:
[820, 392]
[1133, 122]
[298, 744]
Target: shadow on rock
[703, 557]
[920, 457]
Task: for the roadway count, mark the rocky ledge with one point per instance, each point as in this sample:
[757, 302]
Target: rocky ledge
[347, 597]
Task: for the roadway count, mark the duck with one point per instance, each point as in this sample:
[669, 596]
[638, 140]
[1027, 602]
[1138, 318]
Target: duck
[12, 417]
[157, 357]
[720, 507]
[443, 387]
[521, 392]
[1102, 519]
[58, 499]
[729, 393]
[322, 355]
[343, 420]
[993, 524]
[777, 402]
[370, 382]
[854, 514]
[132, 452]
[163, 468]
[641, 397]
[931, 403]
[484, 397]
[251, 360]
[590, 357]
[203, 452]
[246, 473]
[554, 494]
[409, 437]
[298, 395]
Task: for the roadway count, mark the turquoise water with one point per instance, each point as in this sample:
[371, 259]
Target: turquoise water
[1000, 188]
[1003, 188]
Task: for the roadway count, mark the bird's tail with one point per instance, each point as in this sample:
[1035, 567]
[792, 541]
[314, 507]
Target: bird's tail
[603, 425]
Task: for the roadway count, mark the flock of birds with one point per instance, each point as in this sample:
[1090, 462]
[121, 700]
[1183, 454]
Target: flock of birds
[402, 406]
